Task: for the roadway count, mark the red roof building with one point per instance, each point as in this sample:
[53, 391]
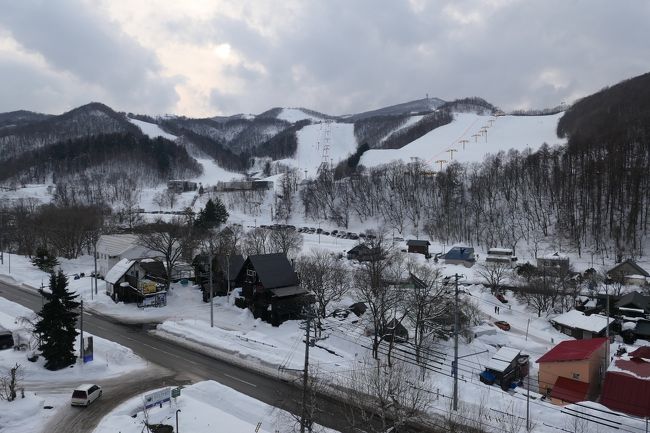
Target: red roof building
[571, 371]
[568, 391]
[627, 386]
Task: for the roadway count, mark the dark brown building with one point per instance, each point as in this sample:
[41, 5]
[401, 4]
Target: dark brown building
[270, 288]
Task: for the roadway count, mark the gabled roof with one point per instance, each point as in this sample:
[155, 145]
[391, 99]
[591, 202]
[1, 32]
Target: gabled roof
[460, 253]
[573, 350]
[578, 320]
[502, 359]
[118, 271]
[418, 243]
[274, 270]
[639, 270]
[570, 390]
[114, 245]
[624, 391]
[229, 264]
[641, 352]
[358, 248]
[154, 268]
[634, 298]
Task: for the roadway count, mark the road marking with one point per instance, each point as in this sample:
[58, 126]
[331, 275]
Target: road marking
[240, 380]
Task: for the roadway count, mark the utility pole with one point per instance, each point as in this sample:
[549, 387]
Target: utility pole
[305, 418]
[81, 345]
[211, 293]
[95, 260]
[528, 401]
[456, 328]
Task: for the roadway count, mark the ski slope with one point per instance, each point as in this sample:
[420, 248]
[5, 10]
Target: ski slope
[152, 130]
[311, 140]
[506, 132]
[294, 115]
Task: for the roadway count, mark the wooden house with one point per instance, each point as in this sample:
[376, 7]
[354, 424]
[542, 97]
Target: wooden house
[553, 264]
[580, 326]
[270, 288]
[225, 269]
[418, 246]
[131, 282]
[633, 304]
[572, 370]
[364, 253]
[628, 272]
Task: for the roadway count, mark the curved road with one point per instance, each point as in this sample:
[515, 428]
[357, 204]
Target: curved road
[179, 365]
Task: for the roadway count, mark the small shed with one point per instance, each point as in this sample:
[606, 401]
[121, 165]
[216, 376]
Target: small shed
[506, 366]
[418, 246]
[460, 255]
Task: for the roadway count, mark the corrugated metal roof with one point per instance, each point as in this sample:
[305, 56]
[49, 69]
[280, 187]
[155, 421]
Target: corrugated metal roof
[573, 350]
[118, 271]
[114, 245]
[502, 359]
[570, 390]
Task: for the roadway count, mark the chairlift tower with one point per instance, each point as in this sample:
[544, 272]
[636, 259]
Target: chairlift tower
[326, 136]
[441, 161]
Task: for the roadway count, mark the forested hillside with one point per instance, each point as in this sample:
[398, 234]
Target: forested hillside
[592, 195]
[95, 169]
[34, 131]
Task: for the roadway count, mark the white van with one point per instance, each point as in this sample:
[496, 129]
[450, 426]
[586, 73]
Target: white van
[85, 394]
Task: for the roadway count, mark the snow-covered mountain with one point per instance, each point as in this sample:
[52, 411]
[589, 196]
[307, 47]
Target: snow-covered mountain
[429, 129]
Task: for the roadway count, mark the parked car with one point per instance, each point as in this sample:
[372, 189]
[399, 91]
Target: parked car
[502, 324]
[85, 394]
[501, 298]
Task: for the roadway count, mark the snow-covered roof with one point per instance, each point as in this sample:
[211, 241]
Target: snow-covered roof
[578, 319]
[555, 256]
[118, 271]
[500, 251]
[114, 245]
[503, 358]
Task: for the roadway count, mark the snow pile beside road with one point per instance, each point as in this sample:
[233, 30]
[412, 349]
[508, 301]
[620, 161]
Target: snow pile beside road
[205, 407]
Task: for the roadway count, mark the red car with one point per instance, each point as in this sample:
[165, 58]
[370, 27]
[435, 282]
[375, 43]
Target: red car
[501, 298]
[502, 324]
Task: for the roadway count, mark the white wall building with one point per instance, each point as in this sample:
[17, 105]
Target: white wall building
[113, 248]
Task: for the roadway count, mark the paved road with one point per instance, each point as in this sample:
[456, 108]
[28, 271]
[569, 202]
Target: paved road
[182, 365]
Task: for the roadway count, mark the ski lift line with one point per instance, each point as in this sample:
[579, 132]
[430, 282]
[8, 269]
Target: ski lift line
[454, 141]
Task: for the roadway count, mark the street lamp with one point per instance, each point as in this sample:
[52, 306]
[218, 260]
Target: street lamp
[177, 410]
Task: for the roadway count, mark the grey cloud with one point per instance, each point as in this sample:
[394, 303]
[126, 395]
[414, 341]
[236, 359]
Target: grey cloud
[73, 38]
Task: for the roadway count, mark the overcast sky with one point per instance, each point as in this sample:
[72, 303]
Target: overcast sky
[209, 57]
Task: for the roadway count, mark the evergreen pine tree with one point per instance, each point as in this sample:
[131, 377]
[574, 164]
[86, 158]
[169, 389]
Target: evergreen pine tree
[56, 329]
[212, 215]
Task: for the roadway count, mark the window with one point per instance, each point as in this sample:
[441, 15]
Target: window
[576, 375]
[250, 272]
